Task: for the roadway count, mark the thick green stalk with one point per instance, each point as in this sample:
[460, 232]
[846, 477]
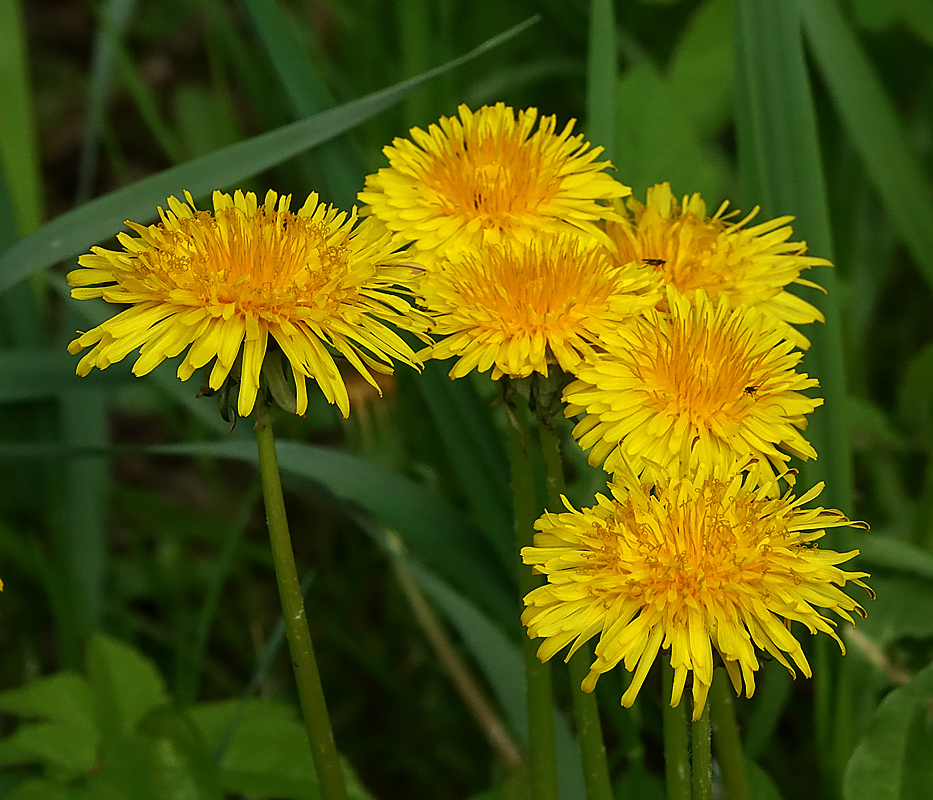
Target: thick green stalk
[310, 691]
[543, 755]
[585, 707]
[676, 756]
[728, 743]
[701, 748]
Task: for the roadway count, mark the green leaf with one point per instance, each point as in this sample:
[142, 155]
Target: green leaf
[657, 140]
[64, 750]
[41, 789]
[63, 697]
[166, 759]
[872, 124]
[265, 747]
[892, 760]
[126, 685]
[74, 232]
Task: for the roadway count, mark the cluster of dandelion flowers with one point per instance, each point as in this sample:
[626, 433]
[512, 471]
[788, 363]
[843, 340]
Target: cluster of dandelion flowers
[488, 176]
[702, 384]
[725, 257]
[518, 307]
[224, 282]
[692, 565]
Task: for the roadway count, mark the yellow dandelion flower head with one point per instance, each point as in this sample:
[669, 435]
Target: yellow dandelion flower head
[701, 384]
[488, 175]
[517, 307]
[693, 565]
[722, 256]
[223, 282]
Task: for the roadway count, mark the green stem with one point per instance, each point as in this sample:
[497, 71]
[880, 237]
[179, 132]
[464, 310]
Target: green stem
[589, 729]
[728, 743]
[585, 707]
[310, 691]
[676, 757]
[702, 757]
[543, 755]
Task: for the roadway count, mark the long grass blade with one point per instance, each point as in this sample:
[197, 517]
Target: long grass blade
[872, 124]
[782, 171]
[602, 77]
[74, 232]
[339, 164]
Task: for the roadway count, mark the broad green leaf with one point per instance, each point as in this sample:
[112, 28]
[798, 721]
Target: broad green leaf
[165, 759]
[74, 232]
[872, 124]
[64, 750]
[63, 697]
[265, 747]
[657, 140]
[41, 789]
[126, 685]
[892, 760]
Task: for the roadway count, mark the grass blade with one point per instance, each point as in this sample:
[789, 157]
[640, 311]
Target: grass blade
[339, 164]
[872, 124]
[602, 77]
[74, 232]
[19, 155]
[782, 171]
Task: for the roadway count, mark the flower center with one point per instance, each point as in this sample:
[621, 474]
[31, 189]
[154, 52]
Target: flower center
[267, 262]
[537, 287]
[699, 374]
[492, 177]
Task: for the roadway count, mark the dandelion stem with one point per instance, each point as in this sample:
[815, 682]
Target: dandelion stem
[310, 691]
[702, 757]
[585, 707]
[728, 744]
[676, 758]
[543, 753]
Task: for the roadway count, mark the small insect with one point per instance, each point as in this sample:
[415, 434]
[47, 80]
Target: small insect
[751, 390]
[655, 262]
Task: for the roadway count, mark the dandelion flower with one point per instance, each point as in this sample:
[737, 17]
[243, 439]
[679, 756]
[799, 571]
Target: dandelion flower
[702, 384]
[517, 307]
[486, 176]
[724, 257]
[695, 564]
[224, 282]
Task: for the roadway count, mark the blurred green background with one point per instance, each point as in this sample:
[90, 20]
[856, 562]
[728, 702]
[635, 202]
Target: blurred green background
[127, 506]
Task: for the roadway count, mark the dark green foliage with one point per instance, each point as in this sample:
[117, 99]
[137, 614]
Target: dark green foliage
[127, 506]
